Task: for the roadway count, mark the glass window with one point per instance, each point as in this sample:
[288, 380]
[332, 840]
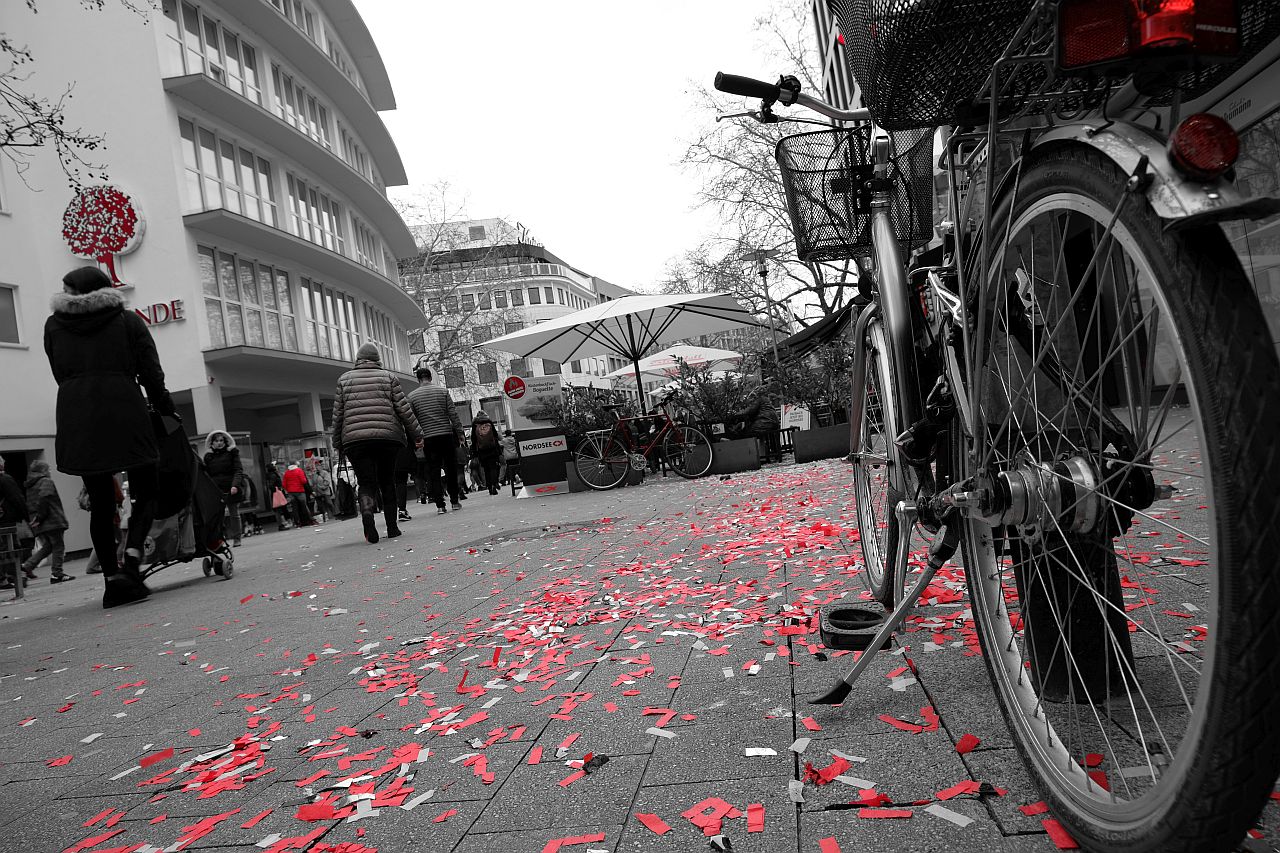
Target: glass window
[520, 367]
[468, 302]
[517, 297]
[435, 307]
[8, 315]
[513, 327]
[560, 295]
[551, 297]
[453, 378]
[535, 297]
[451, 304]
[487, 372]
[485, 301]
[550, 368]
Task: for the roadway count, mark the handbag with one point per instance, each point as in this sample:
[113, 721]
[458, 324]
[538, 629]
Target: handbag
[278, 500]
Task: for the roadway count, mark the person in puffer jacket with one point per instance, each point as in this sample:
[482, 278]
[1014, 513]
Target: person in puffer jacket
[222, 464]
[372, 420]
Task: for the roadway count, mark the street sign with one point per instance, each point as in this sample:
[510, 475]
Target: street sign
[530, 401]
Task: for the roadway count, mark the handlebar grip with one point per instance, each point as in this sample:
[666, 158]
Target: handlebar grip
[746, 86]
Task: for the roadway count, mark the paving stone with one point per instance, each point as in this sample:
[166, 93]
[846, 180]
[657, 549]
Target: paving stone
[921, 833]
[1003, 768]
[669, 802]
[730, 700]
[536, 840]
[715, 751]
[532, 797]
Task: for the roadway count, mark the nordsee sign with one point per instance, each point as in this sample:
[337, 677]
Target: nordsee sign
[547, 444]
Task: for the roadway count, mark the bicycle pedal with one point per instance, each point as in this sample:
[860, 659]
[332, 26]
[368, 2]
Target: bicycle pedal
[850, 627]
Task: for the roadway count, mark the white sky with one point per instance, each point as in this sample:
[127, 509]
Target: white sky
[568, 116]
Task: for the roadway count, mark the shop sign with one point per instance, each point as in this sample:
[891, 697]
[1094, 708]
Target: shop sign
[546, 444]
[795, 416]
[530, 401]
[100, 223]
[160, 313]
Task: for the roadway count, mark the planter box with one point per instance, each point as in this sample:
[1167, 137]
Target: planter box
[729, 457]
[576, 485]
[829, 442]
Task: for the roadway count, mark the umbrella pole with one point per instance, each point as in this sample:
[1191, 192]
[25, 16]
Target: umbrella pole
[635, 363]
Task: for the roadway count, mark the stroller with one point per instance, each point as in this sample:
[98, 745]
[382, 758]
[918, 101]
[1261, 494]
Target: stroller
[190, 509]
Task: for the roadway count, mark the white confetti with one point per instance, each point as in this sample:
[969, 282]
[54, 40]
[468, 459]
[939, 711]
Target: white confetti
[938, 810]
[801, 744]
[91, 738]
[760, 751]
[657, 732]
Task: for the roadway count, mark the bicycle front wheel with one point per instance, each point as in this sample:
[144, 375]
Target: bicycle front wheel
[1123, 473]
[687, 451]
[601, 461]
[876, 490]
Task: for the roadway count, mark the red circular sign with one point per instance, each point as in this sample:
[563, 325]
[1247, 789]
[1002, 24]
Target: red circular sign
[513, 387]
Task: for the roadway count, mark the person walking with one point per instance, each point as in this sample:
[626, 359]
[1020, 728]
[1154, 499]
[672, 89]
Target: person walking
[442, 436]
[322, 489]
[222, 464]
[510, 457]
[406, 461]
[95, 566]
[280, 506]
[297, 489]
[102, 357]
[13, 512]
[372, 420]
[486, 449]
[48, 522]
[464, 469]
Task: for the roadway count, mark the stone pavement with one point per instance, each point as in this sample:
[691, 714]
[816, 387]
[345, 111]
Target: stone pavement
[442, 691]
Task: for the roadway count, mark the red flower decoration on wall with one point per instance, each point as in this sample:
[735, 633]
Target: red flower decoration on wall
[100, 223]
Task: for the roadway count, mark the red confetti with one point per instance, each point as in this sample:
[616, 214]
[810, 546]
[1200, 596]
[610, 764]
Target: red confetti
[253, 821]
[58, 762]
[967, 744]
[156, 757]
[811, 724]
[884, 813]
[535, 755]
[1059, 835]
[247, 599]
[1033, 809]
[828, 845]
[755, 817]
[653, 823]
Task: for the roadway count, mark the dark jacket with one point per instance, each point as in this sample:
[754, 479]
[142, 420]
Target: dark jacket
[371, 406]
[224, 466]
[760, 418]
[44, 507]
[100, 354]
[435, 411]
[13, 506]
[487, 445]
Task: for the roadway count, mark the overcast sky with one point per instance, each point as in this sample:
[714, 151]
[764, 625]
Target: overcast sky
[568, 116]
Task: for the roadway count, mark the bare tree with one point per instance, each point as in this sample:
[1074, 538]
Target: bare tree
[740, 181]
[29, 121]
[463, 284]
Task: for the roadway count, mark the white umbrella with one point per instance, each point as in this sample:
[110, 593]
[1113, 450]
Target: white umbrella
[665, 364]
[629, 327]
[677, 384]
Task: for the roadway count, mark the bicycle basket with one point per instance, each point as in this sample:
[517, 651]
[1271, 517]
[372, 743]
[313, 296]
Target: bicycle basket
[822, 172]
[916, 60]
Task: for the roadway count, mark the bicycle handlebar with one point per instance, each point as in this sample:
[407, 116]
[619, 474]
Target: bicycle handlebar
[749, 87]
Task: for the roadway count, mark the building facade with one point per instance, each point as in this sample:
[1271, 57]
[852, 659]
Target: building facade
[480, 279]
[243, 140]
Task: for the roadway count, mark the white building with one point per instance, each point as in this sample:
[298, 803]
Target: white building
[482, 278]
[246, 133]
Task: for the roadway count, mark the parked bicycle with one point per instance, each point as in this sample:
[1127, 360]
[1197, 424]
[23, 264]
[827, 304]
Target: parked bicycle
[604, 456]
[1077, 389]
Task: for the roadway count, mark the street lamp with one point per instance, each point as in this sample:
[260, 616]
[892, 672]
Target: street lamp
[761, 258]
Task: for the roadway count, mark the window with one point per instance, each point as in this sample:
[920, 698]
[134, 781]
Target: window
[484, 300]
[354, 155]
[200, 45]
[454, 378]
[535, 298]
[551, 298]
[520, 367]
[575, 367]
[451, 304]
[381, 331]
[314, 216]
[449, 339]
[475, 232]
[368, 246]
[298, 106]
[9, 315]
[487, 372]
[468, 303]
[329, 326]
[560, 295]
[500, 298]
[435, 307]
[513, 327]
[246, 303]
[222, 174]
[550, 368]
[517, 297]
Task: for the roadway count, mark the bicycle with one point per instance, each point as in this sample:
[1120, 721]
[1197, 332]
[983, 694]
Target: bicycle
[1081, 365]
[604, 456]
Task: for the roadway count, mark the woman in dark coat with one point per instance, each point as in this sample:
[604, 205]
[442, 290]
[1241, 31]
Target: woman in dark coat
[102, 357]
[222, 464]
[486, 448]
[372, 420]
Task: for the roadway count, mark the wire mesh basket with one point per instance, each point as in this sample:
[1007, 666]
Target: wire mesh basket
[824, 173]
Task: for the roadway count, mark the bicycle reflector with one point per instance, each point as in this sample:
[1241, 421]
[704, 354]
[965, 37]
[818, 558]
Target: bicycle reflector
[1204, 146]
[1099, 33]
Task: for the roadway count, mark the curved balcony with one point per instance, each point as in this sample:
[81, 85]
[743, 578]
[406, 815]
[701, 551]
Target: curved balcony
[307, 57]
[203, 91]
[337, 269]
[242, 366]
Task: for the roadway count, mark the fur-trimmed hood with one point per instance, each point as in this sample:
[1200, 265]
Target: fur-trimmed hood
[208, 441]
[83, 313]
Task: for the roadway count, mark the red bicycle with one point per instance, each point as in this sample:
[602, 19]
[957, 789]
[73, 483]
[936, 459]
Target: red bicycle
[603, 457]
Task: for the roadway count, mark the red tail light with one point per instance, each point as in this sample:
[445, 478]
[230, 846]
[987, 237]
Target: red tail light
[1116, 33]
[1204, 146]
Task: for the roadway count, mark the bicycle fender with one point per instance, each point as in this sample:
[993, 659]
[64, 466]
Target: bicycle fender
[1177, 199]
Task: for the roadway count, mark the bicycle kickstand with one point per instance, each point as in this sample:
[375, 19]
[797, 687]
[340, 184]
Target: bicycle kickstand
[944, 546]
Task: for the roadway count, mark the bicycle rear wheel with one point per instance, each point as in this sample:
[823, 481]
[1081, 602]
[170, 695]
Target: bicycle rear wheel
[1129, 394]
[687, 451]
[876, 484]
[601, 461]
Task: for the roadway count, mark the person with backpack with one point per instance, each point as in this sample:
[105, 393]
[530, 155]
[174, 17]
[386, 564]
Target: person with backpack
[486, 449]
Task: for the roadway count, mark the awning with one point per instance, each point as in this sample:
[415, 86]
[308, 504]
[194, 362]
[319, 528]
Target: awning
[822, 332]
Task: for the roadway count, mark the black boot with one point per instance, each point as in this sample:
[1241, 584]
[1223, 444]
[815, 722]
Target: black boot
[367, 508]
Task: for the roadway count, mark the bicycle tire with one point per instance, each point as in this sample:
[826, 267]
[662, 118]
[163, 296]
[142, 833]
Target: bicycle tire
[1205, 792]
[875, 466]
[601, 462]
[694, 454]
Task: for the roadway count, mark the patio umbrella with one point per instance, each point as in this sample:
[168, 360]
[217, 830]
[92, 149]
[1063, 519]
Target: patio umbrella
[665, 364]
[629, 327]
